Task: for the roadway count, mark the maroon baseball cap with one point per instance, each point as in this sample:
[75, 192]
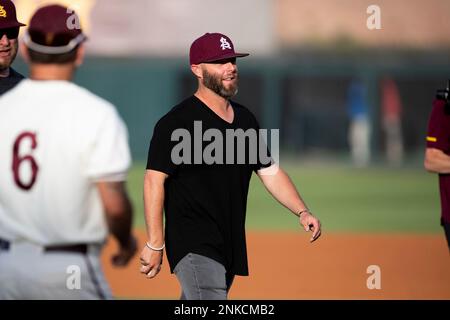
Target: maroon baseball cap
[54, 29]
[8, 17]
[212, 47]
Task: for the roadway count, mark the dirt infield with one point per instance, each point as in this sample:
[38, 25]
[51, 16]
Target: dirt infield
[285, 266]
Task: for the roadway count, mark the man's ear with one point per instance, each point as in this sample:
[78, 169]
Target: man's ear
[197, 70]
[24, 52]
[80, 55]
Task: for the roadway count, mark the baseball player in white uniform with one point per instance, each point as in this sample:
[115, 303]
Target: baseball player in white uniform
[64, 158]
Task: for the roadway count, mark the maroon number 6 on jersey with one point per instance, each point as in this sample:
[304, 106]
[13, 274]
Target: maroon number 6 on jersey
[18, 160]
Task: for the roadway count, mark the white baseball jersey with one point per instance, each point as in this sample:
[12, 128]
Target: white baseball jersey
[56, 140]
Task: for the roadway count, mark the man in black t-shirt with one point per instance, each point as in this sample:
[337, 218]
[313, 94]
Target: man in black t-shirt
[201, 158]
[9, 32]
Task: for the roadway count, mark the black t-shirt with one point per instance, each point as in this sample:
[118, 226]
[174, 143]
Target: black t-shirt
[205, 203]
[10, 81]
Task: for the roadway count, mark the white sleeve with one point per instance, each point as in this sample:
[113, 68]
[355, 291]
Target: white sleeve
[109, 156]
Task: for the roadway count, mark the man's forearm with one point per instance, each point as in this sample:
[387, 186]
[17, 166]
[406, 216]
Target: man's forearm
[153, 207]
[118, 209]
[120, 225]
[436, 161]
[284, 191]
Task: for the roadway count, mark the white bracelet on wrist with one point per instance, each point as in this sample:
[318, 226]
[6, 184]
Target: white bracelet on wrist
[155, 249]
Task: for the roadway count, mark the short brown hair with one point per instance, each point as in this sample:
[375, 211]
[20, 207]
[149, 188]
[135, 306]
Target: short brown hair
[44, 58]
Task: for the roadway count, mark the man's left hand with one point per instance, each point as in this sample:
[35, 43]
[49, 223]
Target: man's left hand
[311, 223]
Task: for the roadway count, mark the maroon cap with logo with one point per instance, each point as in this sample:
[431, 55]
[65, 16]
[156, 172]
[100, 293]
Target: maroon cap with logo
[54, 29]
[212, 47]
[8, 17]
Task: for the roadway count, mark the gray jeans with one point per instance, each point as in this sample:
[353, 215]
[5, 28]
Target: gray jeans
[202, 278]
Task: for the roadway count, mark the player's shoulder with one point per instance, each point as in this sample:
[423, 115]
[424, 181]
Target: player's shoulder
[85, 95]
[440, 109]
[243, 111]
[439, 104]
[90, 104]
[178, 113]
[66, 92]
[14, 74]
[16, 90]
[240, 107]
[184, 107]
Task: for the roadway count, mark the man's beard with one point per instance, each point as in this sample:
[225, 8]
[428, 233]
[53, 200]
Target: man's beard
[214, 83]
[6, 62]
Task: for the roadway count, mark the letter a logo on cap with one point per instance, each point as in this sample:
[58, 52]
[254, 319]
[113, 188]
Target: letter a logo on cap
[2, 12]
[224, 44]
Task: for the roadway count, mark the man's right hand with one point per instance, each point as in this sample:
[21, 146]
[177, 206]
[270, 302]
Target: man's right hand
[151, 262]
[121, 258]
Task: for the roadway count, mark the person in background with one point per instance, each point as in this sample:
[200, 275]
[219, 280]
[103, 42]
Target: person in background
[359, 129]
[392, 122]
[437, 154]
[9, 33]
[64, 162]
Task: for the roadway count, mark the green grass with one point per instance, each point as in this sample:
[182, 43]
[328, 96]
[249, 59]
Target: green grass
[345, 199]
[135, 186]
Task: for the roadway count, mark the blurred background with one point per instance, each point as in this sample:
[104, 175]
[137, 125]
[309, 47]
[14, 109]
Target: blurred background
[305, 57]
[351, 102]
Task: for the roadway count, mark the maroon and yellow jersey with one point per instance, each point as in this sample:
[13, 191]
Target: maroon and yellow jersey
[438, 137]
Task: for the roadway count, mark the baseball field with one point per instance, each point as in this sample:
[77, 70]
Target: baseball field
[382, 217]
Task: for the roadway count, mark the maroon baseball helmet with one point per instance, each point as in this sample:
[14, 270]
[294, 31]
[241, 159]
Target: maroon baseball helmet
[212, 47]
[8, 17]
